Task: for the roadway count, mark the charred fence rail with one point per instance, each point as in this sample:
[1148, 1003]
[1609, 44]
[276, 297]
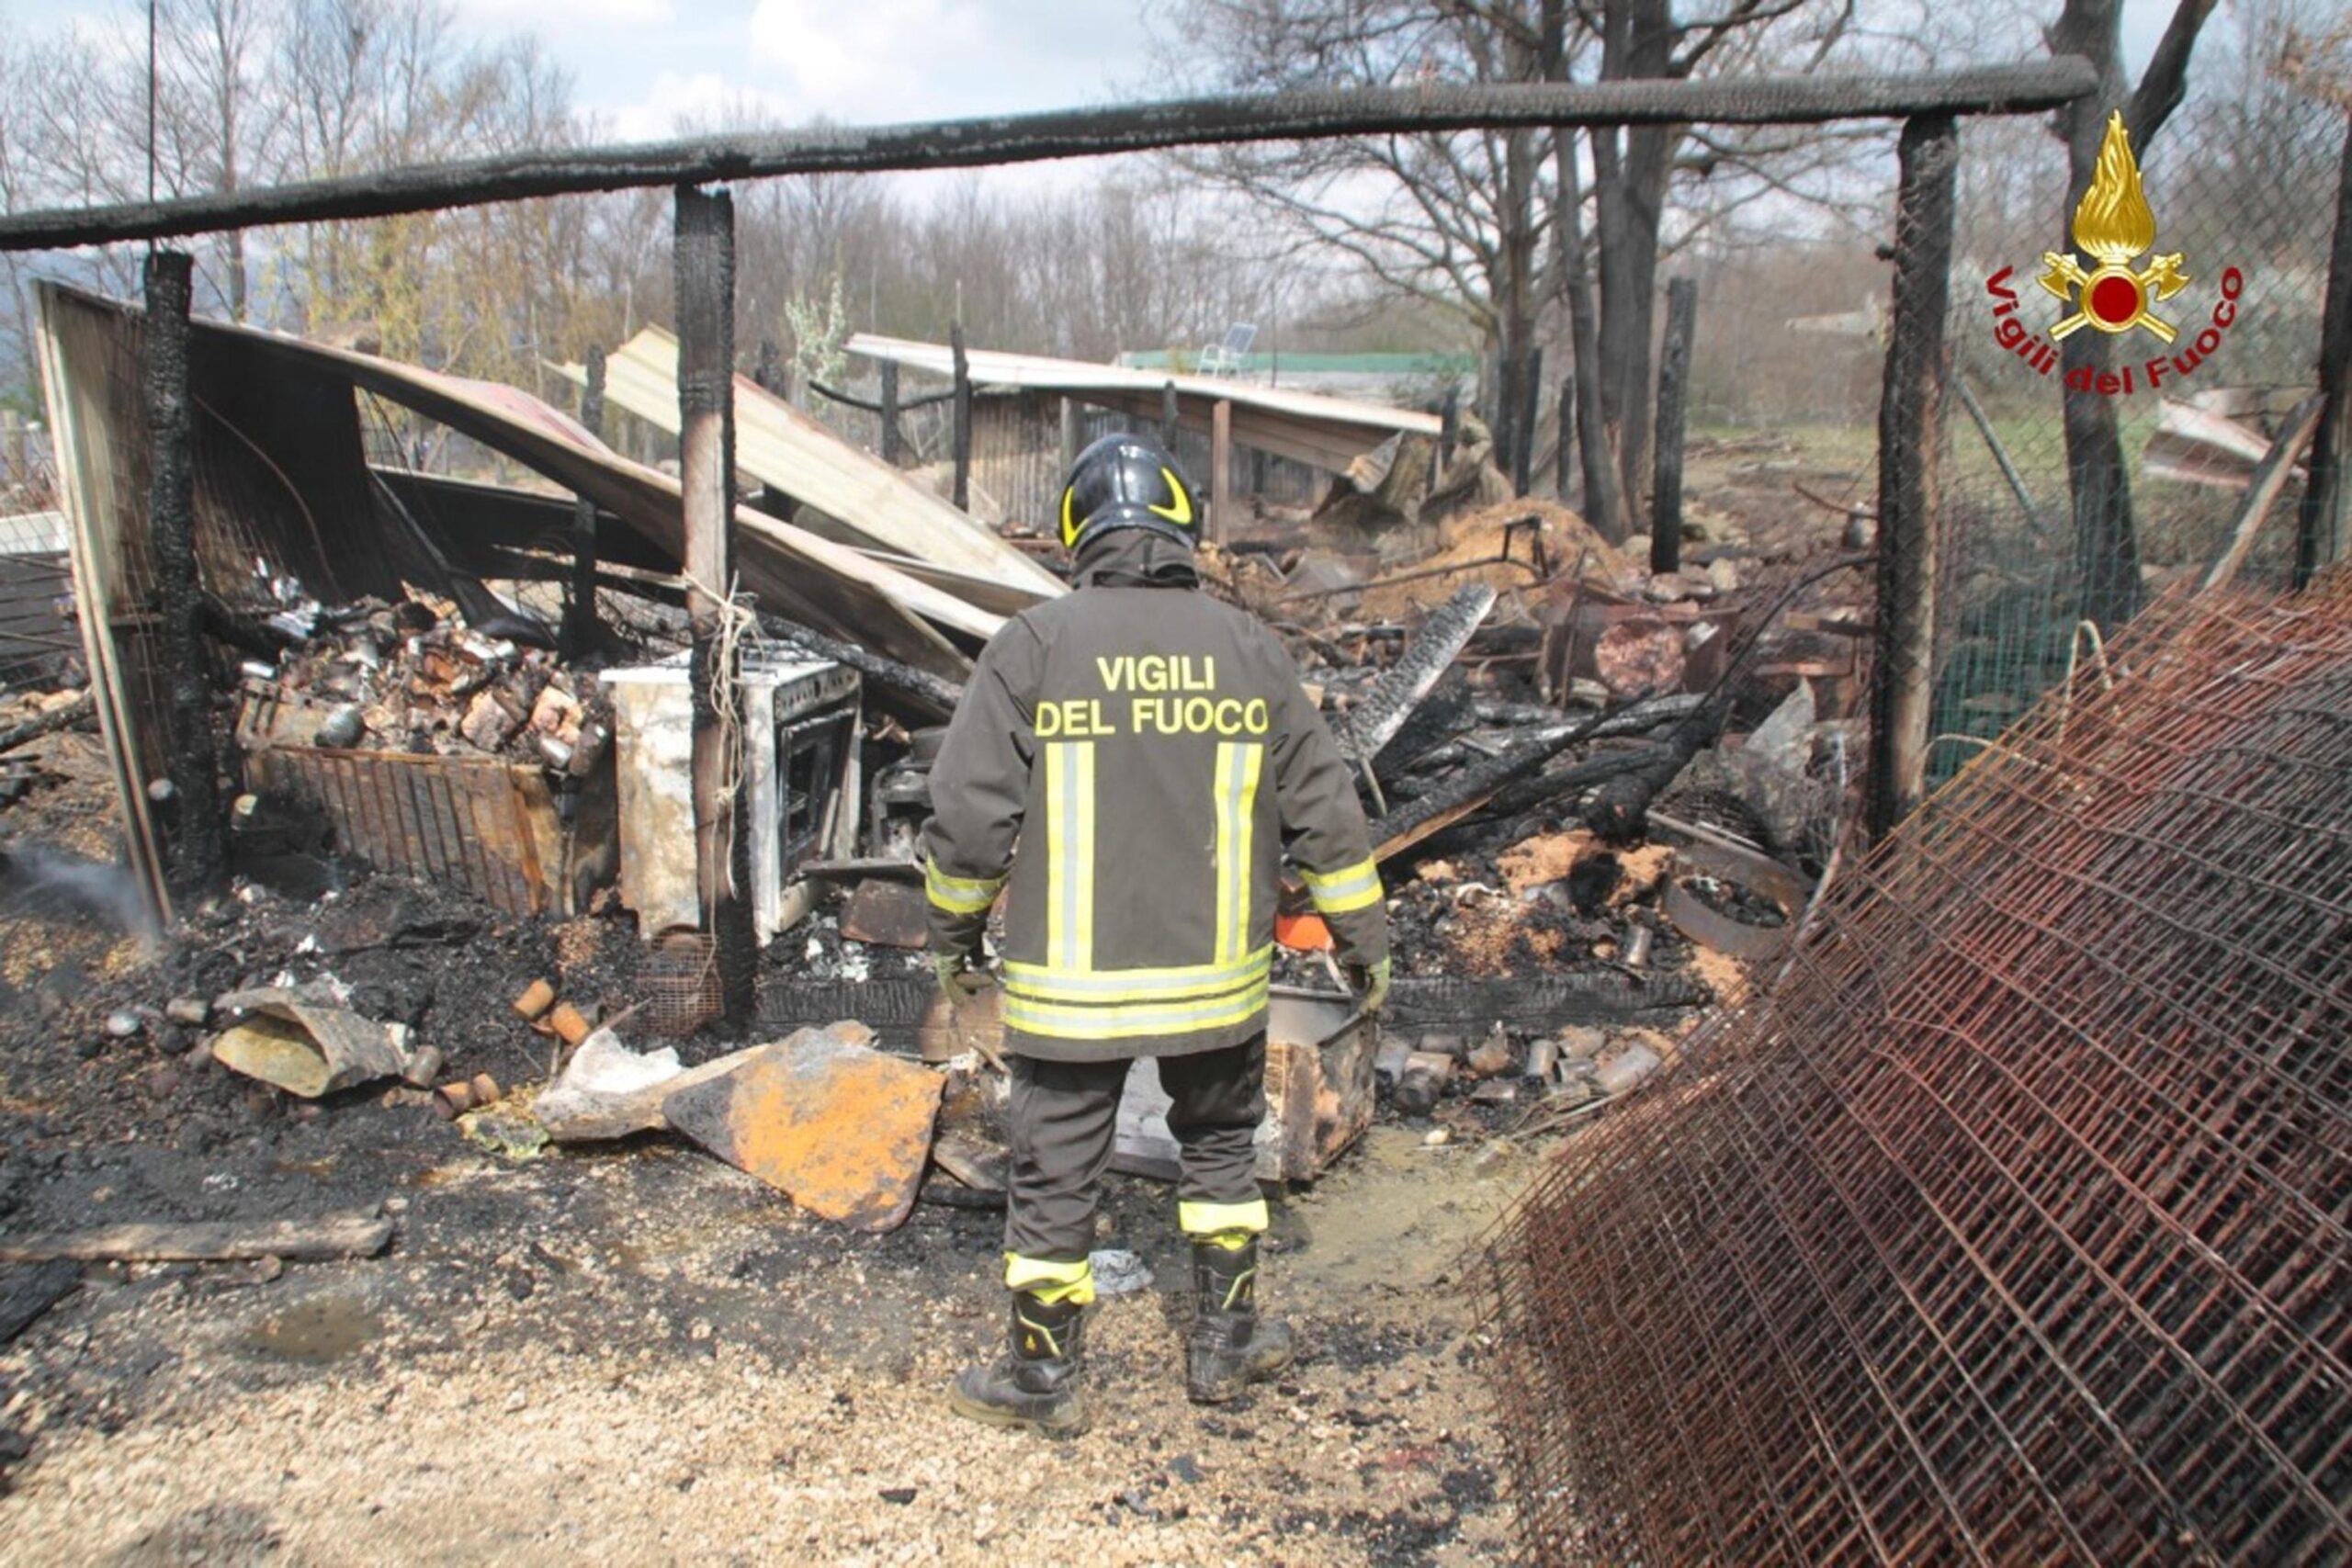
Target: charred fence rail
[2012, 1227]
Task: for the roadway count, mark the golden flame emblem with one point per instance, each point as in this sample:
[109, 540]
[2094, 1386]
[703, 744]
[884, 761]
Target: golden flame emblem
[2114, 223]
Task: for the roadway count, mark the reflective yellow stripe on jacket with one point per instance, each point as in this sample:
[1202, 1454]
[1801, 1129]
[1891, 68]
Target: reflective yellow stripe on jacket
[1350, 887]
[1069, 854]
[1111, 1004]
[1238, 766]
[958, 894]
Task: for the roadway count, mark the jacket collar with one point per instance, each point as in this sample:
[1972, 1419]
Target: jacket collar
[1136, 557]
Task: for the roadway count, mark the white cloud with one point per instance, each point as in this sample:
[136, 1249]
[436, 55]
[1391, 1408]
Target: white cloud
[860, 59]
[559, 15]
[702, 100]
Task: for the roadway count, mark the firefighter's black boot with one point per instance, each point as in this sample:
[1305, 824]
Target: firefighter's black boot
[1231, 1346]
[1034, 1384]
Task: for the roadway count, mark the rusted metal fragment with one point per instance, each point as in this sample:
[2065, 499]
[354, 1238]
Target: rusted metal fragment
[891, 914]
[1759, 875]
[303, 1046]
[842, 1129]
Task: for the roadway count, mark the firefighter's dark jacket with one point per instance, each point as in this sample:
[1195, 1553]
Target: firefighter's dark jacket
[1135, 757]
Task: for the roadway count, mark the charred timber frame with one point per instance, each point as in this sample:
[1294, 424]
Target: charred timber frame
[1069, 133]
[706, 313]
[200, 849]
[1910, 436]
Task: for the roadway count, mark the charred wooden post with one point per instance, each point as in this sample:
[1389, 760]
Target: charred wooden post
[1673, 396]
[1168, 416]
[578, 634]
[767, 371]
[890, 412]
[2320, 534]
[1602, 497]
[1910, 429]
[961, 429]
[1220, 518]
[705, 266]
[1565, 465]
[1522, 457]
[1069, 434]
[199, 843]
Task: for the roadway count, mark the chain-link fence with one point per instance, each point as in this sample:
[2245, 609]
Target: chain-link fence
[2242, 190]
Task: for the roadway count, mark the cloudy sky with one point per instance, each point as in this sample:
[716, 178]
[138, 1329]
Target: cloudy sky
[640, 63]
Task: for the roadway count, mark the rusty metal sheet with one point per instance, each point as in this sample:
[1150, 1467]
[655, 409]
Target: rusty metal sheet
[488, 826]
[838, 1128]
[891, 914]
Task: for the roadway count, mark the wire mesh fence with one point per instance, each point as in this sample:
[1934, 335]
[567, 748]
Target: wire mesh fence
[2012, 1227]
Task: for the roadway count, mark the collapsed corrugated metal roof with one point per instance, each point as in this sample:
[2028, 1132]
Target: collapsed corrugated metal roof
[1327, 433]
[877, 508]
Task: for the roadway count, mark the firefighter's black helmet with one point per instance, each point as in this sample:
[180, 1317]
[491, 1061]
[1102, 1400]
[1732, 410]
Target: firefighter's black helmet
[1126, 481]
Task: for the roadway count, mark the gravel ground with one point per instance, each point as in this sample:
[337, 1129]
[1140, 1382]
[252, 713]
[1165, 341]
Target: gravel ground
[645, 1355]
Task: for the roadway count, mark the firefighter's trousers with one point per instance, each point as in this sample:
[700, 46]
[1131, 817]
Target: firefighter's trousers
[1062, 1115]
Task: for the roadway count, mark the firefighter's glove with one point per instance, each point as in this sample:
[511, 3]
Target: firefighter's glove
[1369, 982]
[959, 979]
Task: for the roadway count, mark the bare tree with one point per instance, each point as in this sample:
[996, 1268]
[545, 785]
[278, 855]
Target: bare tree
[1472, 222]
[2107, 549]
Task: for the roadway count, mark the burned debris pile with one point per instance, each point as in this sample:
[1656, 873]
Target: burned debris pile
[417, 678]
[468, 883]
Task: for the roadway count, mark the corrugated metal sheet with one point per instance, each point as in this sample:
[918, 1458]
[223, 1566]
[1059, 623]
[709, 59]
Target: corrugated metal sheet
[488, 826]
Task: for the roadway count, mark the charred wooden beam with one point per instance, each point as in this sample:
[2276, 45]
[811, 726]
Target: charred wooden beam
[1673, 398]
[580, 602]
[1619, 811]
[1375, 721]
[1910, 424]
[705, 266]
[79, 711]
[198, 841]
[1064, 133]
[931, 696]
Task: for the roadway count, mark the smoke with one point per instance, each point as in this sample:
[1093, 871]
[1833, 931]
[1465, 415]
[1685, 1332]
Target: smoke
[41, 883]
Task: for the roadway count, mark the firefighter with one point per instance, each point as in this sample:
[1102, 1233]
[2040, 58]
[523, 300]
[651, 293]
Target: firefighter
[1133, 760]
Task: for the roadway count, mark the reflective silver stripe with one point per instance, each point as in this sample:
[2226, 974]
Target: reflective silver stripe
[959, 894]
[1350, 887]
[1235, 793]
[1044, 983]
[1070, 853]
[1135, 1017]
